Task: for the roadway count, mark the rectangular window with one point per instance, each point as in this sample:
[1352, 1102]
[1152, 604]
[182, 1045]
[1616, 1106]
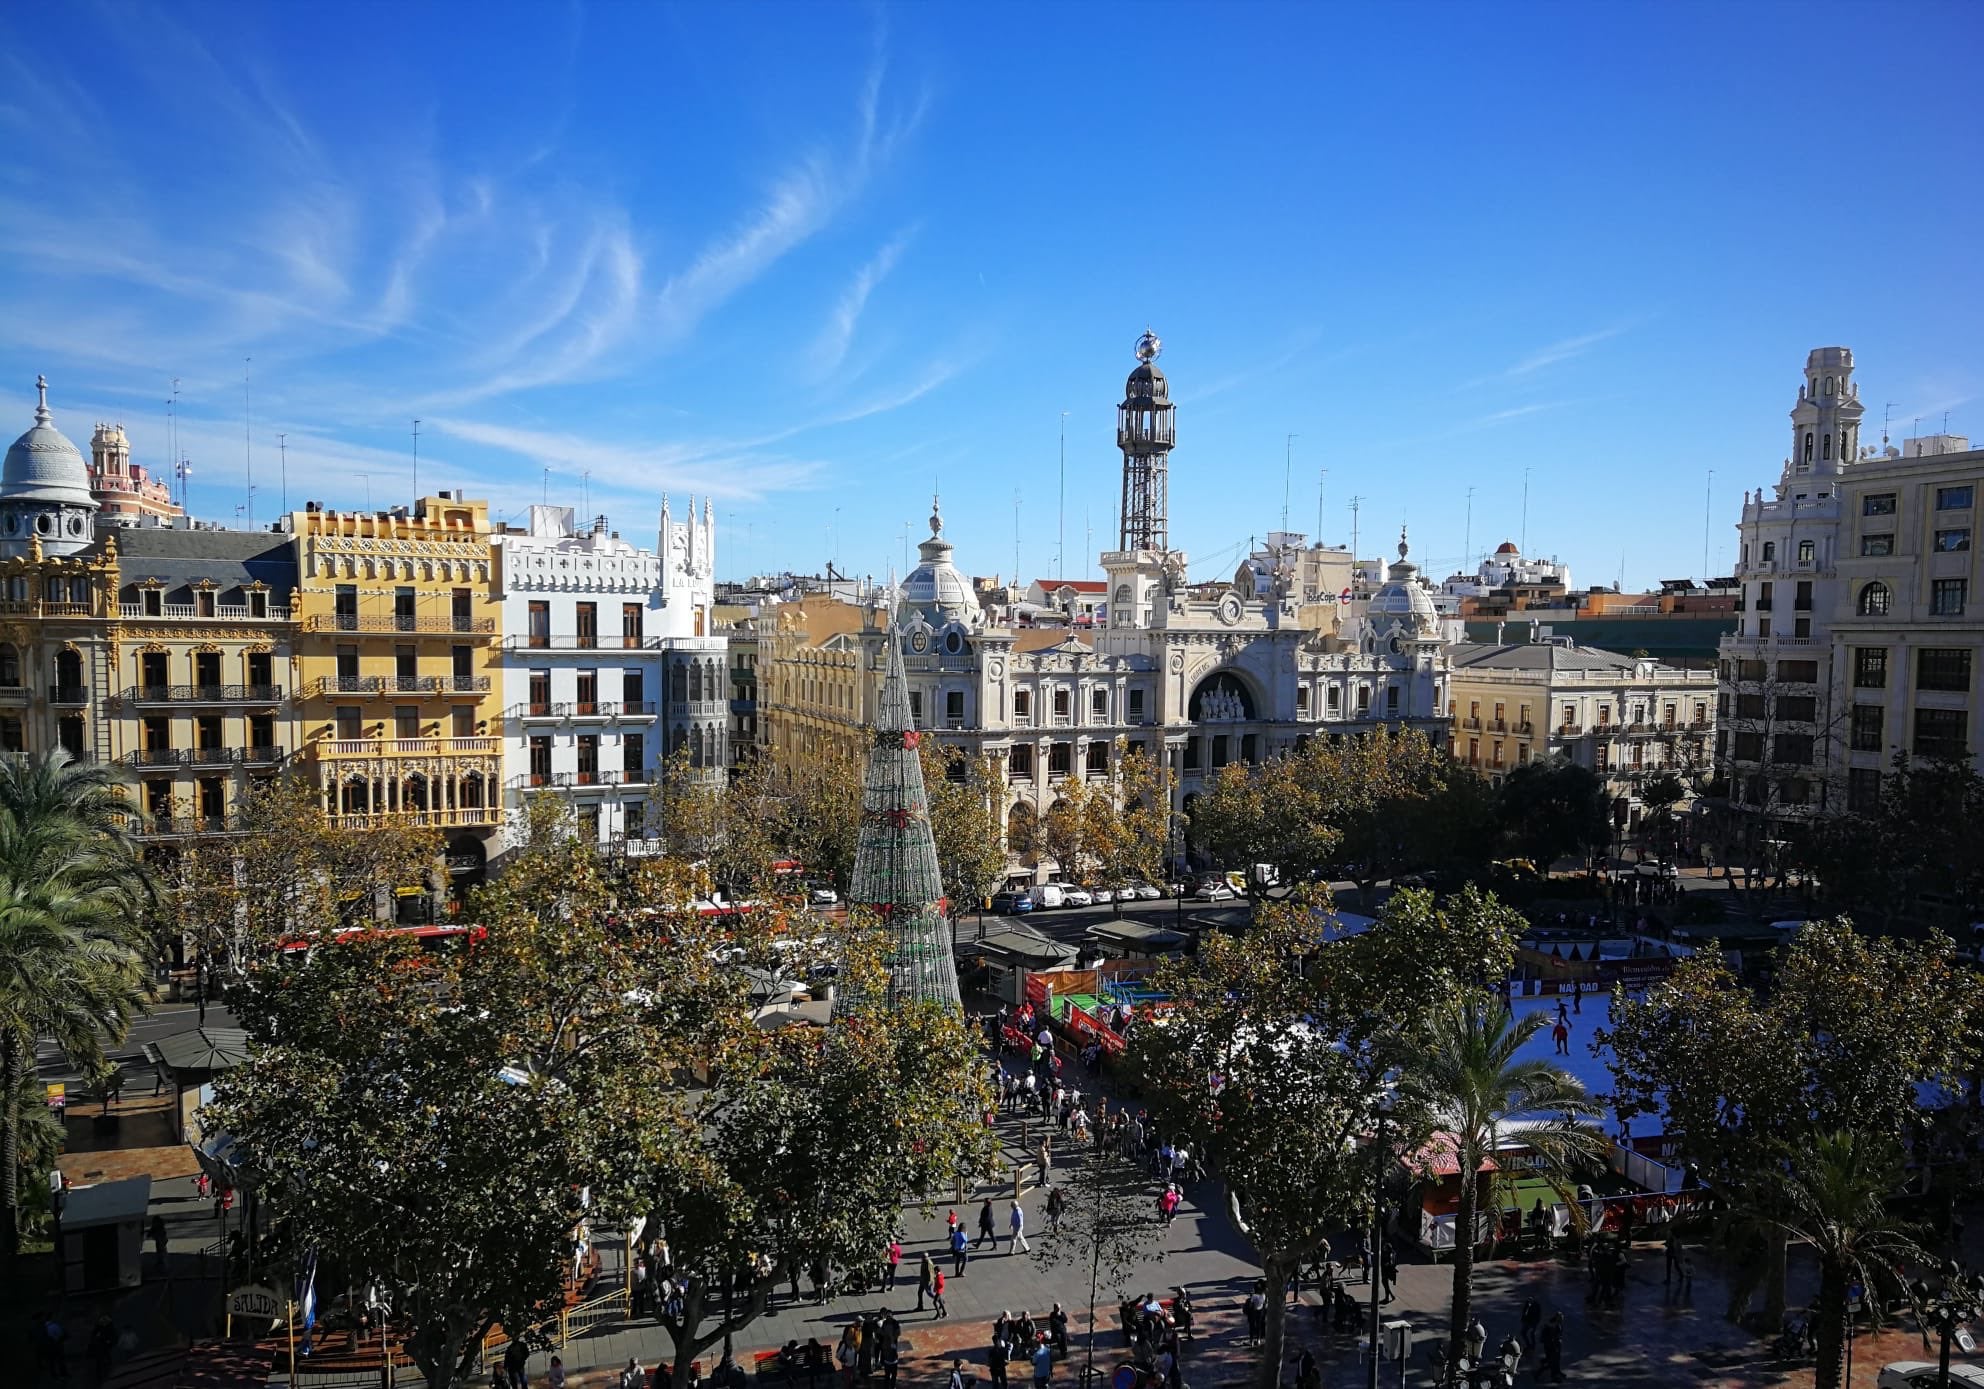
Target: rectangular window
[262, 733]
[1022, 705]
[540, 759]
[1701, 713]
[1948, 596]
[406, 663]
[406, 721]
[916, 708]
[464, 721]
[1749, 747]
[258, 603]
[1604, 716]
[1943, 668]
[1770, 551]
[461, 663]
[589, 823]
[1060, 702]
[633, 692]
[1867, 723]
[635, 825]
[1601, 757]
[1877, 544]
[586, 621]
[348, 722]
[1136, 706]
[540, 623]
[631, 618]
[346, 607]
[1763, 626]
[403, 599]
[1569, 722]
[213, 798]
[1060, 758]
[1019, 762]
[1332, 699]
[1749, 706]
[1863, 788]
[1950, 541]
[1953, 498]
[207, 733]
[588, 758]
[1097, 757]
[633, 756]
[1798, 672]
[1098, 702]
[1942, 733]
[588, 692]
[1877, 504]
[1302, 701]
[1870, 667]
[1797, 708]
[1801, 601]
[462, 609]
[10, 735]
[540, 692]
[1792, 749]
[1805, 553]
[954, 708]
[1474, 752]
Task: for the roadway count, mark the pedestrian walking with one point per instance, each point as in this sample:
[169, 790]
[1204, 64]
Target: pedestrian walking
[895, 1263]
[1057, 1201]
[995, 1354]
[1017, 1220]
[957, 1379]
[1043, 1364]
[937, 1294]
[958, 1247]
[1553, 1348]
[987, 1231]
[634, 1377]
[1672, 1245]
[1532, 1322]
[1687, 1272]
[1561, 1035]
[891, 1358]
[925, 1273]
[1167, 1203]
[1388, 1272]
[516, 1359]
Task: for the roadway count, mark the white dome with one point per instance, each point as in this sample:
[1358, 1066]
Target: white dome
[936, 586]
[1402, 596]
[43, 466]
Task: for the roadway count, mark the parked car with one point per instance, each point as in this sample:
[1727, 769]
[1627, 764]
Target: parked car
[820, 895]
[1012, 903]
[1073, 895]
[1214, 890]
[1138, 891]
[1047, 896]
[1101, 896]
[1922, 1374]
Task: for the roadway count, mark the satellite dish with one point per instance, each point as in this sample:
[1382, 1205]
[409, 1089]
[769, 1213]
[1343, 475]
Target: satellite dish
[1966, 1340]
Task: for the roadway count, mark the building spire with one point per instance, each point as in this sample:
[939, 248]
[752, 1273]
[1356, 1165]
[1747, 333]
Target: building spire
[41, 415]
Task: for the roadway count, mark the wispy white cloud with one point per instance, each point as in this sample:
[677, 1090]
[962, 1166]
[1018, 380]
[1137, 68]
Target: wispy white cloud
[725, 469]
[1562, 351]
[831, 347]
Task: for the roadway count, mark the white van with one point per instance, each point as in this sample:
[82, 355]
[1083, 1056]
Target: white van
[1048, 895]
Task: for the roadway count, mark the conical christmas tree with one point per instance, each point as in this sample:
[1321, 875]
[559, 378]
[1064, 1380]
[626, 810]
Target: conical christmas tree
[895, 860]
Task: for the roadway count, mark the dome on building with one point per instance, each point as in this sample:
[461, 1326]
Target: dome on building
[1402, 596]
[1507, 547]
[936, 586]
[43, 466]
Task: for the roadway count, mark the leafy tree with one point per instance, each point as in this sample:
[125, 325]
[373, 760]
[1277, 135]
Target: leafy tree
[1370, 807]
[1832, 1192]
[1739, 1078]
[72, 966]
[1131, 822]
[1279, 1051]
[1552, 809]
[1467, 1072]
[1659, 794]
[967, 797]
[1074, 830]
[1110, 1228]
[1914, 853]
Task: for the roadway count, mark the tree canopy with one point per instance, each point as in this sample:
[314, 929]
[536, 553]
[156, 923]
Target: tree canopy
[1552, 809]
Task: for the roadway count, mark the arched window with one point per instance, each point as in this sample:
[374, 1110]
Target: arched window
[1874, 600]
[69, 670]
[696, 683]
[1825, 450]
[1020, 828]
[10, 667]
[1828, 385]
[472, 791]
[678, 681]
[1808, 446]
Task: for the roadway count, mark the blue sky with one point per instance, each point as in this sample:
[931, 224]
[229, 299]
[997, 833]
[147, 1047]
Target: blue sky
[816, 259]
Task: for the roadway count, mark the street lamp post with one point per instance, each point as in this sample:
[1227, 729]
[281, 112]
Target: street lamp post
[1376, 1270]
[1946, 1309]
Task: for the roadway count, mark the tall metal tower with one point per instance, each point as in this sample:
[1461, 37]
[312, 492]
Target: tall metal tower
[1145, 431]
[895, 858]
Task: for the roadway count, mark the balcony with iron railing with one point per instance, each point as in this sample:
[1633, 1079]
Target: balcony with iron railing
[184, 826]
[193, 612]
[69, 694]
[467, 816]
[574, 710]
[1569, 730]
[203, 694]
[390, 623]
[326, 686]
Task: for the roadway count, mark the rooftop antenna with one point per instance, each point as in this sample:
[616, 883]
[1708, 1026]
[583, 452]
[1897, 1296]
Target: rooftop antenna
[1887, 410]
[416, 459]
[545, 493]
[1061, 540]
[248, 441]
[1322, 477]
[1467, 540]
[1355, 503]
[282, 445]
[1523, 542]
[368, 490]
[585, 494]
[1016, 537]
[1708, 524]
[1287, 474]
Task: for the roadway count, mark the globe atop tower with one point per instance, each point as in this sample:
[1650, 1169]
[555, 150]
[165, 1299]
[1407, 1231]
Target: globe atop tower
[1145, 432]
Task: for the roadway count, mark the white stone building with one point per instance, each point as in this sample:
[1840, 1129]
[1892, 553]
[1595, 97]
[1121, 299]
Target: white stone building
[1856, 638]
[608, 664]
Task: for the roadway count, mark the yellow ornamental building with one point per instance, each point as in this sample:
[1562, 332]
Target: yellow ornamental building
[398, 715]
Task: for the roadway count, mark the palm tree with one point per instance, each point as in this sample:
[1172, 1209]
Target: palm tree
[1833, 1192]
[1467, 1073]
[72, 963]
